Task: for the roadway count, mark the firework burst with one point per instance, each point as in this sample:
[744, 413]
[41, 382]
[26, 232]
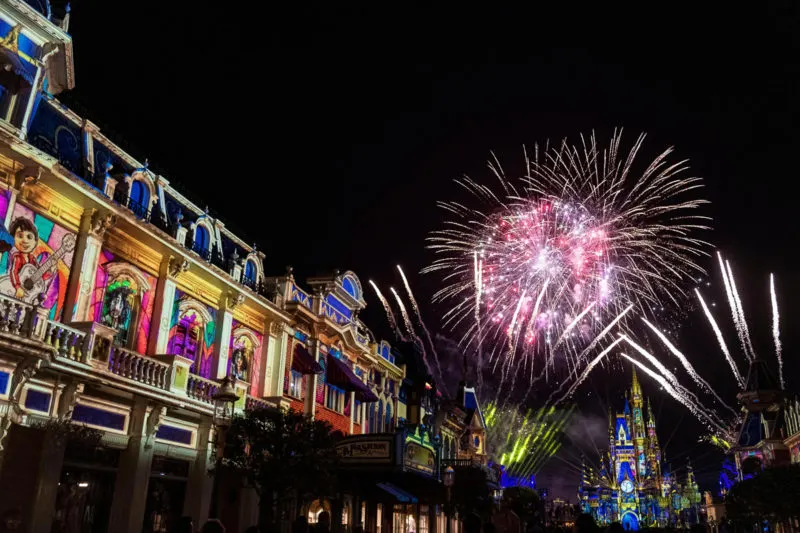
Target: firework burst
[544, 263]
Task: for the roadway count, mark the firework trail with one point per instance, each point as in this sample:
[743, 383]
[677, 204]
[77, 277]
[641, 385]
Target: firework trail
[593, 363]
[388, 310]
[720, 339]
[421, 323]
[776, 330]
[740, 310]
[479, 339]
[587, 229]
[404, 314]
[723, 428]
[686, 364]
[681, 398]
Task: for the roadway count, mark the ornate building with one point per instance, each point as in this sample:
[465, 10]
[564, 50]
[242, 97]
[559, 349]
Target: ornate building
[122, 306]
[633, 484]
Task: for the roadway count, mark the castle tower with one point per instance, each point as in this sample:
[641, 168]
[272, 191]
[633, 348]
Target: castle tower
[638, 426]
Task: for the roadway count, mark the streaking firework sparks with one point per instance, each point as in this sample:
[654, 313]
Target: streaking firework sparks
[540, 266]
[721, 424]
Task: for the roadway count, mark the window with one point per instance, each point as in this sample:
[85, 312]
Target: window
[363, 513]
[357, 414]
[423, 519]
[187, 337]
[378, 518]
[296, 385]
[389, 422]
[250, 272]
[334, 399]
[139, 199]
[379, 419]
[201, 240]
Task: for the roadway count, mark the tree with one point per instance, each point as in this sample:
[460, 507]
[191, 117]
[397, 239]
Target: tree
[771, 495]
[471, 492]
[281, 454]
[523, 501]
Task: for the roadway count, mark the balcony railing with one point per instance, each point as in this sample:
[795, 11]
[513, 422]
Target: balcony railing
[88, 348]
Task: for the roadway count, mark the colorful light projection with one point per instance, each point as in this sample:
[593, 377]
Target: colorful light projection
[191, 333]
[245, 359]
[123, 299]
[40, 251]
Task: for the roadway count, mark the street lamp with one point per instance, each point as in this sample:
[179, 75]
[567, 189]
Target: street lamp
[224, 400]
[448, 478]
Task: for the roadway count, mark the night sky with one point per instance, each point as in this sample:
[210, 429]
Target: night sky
[327, 135]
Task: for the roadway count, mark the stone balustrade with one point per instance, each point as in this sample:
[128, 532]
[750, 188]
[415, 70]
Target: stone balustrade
[200, 388]
[138, 367]
[90, 346]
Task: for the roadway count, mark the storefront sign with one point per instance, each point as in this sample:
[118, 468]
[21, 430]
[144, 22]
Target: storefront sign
[372, 451]
[419, 458]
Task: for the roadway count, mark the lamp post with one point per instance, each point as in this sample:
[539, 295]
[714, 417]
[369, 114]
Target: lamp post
[448, 478]
[224, 400]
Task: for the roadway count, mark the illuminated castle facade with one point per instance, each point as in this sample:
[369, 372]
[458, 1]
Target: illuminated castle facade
[633, 485]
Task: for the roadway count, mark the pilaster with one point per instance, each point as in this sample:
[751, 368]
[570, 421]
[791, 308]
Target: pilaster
[222, 339]
[171, 268]
[94, 225]
[12, 201]
[311, 385]
[276, 358]
[133, 475]
[199, 487]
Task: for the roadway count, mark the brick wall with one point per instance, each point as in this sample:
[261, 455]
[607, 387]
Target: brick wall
[356, 429]
[337, 420]
[296, 405]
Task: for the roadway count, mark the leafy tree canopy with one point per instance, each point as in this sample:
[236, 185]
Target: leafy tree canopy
[773, 493]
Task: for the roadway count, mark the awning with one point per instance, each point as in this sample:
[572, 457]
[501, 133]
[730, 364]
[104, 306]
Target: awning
[399, 494]
[11, 62]
[304, 362]
[341, 376]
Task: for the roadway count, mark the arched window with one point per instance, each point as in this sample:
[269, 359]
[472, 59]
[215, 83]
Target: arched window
[140, 198]
[201, 240]
[250, 272]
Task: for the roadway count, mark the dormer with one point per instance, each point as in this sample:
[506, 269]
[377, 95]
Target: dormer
[35, 56]
[341, 296]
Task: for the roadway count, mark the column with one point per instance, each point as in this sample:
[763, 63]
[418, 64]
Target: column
[170, 268]
[200, 484]
[352, 410]
[133, 475]
[87, 253]
[311, 384]
[222, 339]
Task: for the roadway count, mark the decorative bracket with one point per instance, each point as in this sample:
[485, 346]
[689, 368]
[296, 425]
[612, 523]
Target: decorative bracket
[69, 399]
[234, 300]
[28, 177]
[101, 222]
[178, 265]
[25, 370]
[154, 420]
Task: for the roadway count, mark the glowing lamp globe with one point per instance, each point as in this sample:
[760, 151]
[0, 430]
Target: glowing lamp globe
[224, 400]
[449, 476]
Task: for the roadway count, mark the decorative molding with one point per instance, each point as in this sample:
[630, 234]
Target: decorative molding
[276, 327]
[178, 266]
[28, 177]
[69, 399]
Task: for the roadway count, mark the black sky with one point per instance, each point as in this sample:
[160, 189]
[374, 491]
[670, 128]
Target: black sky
[327, 134]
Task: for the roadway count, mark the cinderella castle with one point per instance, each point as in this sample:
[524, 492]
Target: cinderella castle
[633, 484]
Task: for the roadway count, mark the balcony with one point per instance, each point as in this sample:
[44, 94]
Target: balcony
[85, 350]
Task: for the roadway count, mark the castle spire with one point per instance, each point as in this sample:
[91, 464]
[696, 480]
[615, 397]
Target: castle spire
[636, 389]
[651, 420]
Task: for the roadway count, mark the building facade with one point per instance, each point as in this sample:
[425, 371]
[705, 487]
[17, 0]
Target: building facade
[633, 485]
[122, 306]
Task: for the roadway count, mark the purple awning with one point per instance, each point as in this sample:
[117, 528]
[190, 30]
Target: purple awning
[340, 375]
[304, 362]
